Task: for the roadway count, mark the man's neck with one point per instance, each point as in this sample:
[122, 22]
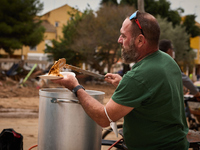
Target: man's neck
[146, 54]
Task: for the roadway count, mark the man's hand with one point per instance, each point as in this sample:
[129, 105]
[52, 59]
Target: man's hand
[69, 81]
[114, 79]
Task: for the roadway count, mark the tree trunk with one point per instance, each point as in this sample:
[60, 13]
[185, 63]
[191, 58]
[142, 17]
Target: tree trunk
[141, 5]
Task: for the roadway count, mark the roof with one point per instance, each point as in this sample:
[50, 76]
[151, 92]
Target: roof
[197, 24]
[49, 27]
[57, 8]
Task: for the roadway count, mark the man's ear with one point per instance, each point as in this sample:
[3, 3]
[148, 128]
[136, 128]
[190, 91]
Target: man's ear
[168, 51]
[140, 41]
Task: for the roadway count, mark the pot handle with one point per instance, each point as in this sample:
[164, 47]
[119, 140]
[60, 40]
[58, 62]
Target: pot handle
[56, 100]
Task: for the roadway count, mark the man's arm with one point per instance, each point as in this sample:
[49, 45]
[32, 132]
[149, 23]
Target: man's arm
[96, 110]
[93, 107]
[189, 84]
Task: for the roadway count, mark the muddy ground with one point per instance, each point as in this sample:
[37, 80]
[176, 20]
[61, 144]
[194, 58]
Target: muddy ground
[19, 106]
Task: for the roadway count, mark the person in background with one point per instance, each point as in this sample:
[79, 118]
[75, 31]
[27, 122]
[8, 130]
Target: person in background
[167, 47]
[198, 77]
[150, 101]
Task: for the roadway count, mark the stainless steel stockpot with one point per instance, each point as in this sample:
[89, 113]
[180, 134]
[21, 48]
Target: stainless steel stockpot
[63, 124]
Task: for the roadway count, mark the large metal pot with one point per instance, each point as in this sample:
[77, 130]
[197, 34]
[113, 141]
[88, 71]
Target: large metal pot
[63, 124]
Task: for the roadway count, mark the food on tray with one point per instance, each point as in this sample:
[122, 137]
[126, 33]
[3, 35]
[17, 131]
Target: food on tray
[57, 67]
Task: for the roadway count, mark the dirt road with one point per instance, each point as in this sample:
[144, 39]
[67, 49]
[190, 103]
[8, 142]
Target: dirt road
[19, 110]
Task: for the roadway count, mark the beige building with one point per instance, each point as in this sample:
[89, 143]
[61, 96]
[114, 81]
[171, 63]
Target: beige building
[53, 22]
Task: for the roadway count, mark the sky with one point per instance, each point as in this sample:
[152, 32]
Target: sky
[189, 6]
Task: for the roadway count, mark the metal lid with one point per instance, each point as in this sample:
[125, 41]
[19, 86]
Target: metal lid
[64, 93]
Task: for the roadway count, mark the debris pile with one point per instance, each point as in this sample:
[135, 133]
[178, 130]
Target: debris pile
[17, 81]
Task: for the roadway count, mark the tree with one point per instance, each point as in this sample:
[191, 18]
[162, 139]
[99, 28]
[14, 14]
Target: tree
[172, 27]
[109, 2]
[191, 28]
[129, 2]
[180, 40]
[19, 25]
[97, 36]
[63, 48]
[158, 7]
[162, 8]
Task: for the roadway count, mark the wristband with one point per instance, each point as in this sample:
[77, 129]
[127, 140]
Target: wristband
[77, 88]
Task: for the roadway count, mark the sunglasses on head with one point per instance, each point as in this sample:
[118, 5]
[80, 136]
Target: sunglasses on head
[134, 16]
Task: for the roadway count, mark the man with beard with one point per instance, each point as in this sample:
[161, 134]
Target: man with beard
[147, 96]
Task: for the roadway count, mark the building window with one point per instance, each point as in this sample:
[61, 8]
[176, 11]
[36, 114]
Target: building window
[56, 24]
[33, 48]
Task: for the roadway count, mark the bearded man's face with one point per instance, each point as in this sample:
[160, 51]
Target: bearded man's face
[129, 54]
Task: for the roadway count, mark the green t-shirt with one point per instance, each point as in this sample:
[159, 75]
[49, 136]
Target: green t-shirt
[154, 88]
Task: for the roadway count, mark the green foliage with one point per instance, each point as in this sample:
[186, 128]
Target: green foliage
[97, 36]
[179, 38]
[174, 17]
[63, 48]
[162, 8]
[191, 28]
[92, 37]
[158, 7]
[129, 2]
[171, 26]
[109, 2]
[18, 25]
